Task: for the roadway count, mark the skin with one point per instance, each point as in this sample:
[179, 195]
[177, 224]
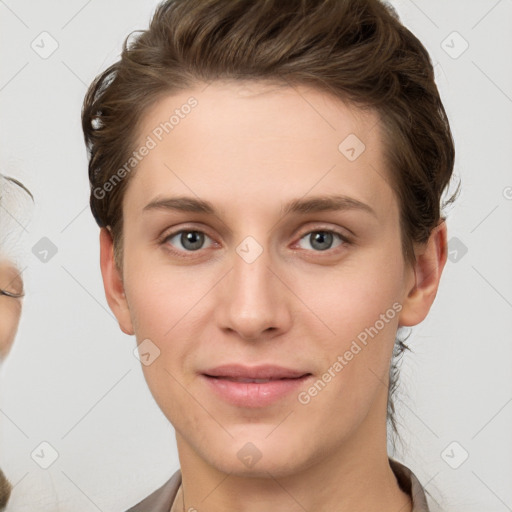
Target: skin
[250, 148]
[10, 312]
[10, 308]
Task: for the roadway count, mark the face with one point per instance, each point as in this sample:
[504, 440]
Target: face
[262, 241]
[11, 288]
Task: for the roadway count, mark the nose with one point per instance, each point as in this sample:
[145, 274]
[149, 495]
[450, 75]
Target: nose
[253, 301]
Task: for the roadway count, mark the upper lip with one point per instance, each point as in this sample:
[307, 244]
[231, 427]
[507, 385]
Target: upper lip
[254, 372]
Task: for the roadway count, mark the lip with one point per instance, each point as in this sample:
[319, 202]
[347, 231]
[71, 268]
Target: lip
[229, 382]
[264, 371]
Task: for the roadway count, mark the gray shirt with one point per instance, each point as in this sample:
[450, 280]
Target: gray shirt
[162, 499]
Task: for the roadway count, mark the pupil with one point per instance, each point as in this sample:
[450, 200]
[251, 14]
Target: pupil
[321, 240]
[192, 240]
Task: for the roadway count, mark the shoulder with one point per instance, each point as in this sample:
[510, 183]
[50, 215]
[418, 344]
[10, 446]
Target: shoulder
[162, 499]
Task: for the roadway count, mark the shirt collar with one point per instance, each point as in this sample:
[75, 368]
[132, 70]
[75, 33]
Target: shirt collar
[162, 499]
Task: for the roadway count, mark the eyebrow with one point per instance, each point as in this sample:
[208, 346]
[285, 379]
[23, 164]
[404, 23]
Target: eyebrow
[301, 206]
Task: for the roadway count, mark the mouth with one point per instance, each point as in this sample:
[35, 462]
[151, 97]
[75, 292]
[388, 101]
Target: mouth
[255, 381]
[253, 387]
[260, 372]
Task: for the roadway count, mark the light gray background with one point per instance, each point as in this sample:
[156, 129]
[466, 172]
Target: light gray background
[72, 379]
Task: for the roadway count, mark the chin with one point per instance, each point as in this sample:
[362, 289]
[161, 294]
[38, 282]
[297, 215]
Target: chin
[257, 457]
[278, 466]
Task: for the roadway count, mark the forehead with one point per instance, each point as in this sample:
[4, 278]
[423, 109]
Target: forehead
[261, 141]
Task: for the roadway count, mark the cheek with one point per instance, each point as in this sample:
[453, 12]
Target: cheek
[162, 297]
[363, 315]
[353, 296]
[360, 303]
[168, 307]
[158, 312]
[8, 326]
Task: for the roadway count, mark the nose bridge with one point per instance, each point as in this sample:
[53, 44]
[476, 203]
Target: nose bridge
[253, 300]
[251, 275]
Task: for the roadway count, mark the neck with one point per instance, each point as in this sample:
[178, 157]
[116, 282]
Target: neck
[355, 476]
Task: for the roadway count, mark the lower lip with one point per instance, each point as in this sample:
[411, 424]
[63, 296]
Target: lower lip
[254, 394]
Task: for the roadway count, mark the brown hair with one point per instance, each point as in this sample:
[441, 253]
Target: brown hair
[356, 50]
[5, 490]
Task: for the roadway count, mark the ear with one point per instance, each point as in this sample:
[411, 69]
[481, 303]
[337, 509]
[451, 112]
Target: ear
[113, 283]
[430, 262]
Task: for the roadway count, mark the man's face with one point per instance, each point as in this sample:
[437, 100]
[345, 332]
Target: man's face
[259, 282]
[10, 307]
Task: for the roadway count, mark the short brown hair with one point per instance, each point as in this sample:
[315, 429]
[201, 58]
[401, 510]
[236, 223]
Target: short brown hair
[356, 50]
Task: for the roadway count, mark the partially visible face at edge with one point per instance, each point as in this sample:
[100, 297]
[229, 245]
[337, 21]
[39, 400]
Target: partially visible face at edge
[10, 307]
[322, 277]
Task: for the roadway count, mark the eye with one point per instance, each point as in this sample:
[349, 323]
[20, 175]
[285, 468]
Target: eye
[12, 295]
[190, 240]
[321, 240]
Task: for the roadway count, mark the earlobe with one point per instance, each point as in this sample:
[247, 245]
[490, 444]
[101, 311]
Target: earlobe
[430, 261]
[113, 283]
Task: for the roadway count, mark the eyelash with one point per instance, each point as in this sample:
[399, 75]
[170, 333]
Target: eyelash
[344, 241]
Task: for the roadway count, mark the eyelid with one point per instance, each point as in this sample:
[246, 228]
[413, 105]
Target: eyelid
[174, 230]
[12, 295]
[327, 229]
